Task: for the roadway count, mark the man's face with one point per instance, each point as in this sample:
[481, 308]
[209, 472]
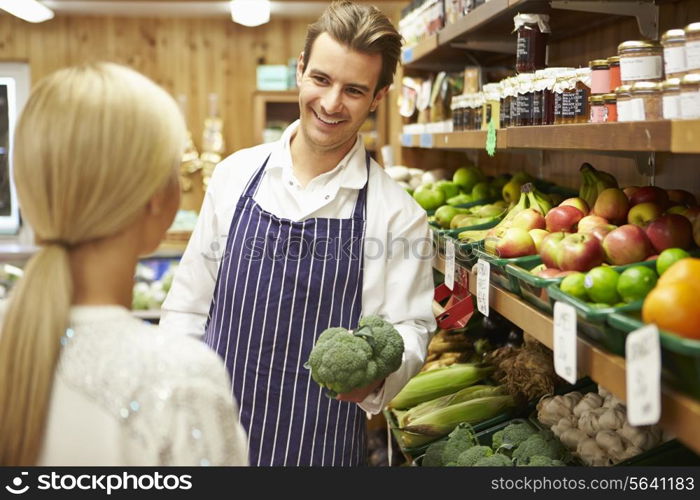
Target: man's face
[336, 93]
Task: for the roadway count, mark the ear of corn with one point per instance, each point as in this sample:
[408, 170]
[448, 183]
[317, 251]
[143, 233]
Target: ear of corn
[471, 392]
[439, 382]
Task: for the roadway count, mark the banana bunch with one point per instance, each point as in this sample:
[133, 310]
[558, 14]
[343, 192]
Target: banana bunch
[593, 182]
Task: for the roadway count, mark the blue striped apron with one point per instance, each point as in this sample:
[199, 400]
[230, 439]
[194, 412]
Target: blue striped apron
[280, 284]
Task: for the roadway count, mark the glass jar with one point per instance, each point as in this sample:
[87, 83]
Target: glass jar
[538, 85]
[690, 97]
[615, 77]
[671, 89]
[505, 110]
[550, 96]
[568, 98]
[597, 108]
[623, 95]
[456, 112]
[533, 32]
[524, 99]
[513, 92]
[600, 76]
[692, 48]
[558, 91]
[673, 42]
[477, 109]
[646, 102]
[640, 61]
[492, 105]
[610, 102]
[583, 92]
[468, 112]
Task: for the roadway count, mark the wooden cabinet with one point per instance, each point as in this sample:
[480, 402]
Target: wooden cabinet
[273, 110]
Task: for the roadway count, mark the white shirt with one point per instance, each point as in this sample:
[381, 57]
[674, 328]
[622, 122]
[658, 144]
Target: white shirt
[397, 284]
[126, 393]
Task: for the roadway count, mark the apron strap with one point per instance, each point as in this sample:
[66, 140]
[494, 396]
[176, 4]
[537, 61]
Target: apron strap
[253, 183]
[360, 211]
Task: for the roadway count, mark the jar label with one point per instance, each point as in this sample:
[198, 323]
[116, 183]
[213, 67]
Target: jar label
[641, 68]
[568, 104]
[635, 110]
[692, 55]
[523, 50]
[600, 81]
[580, 101]
[557, 104]
[672, 107]
[537, 108]
[525, 107]
[690, 105]
[674, 60]
[598, 114]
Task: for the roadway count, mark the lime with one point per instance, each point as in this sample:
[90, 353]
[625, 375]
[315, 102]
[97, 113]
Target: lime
[573, 285]
[668, 257]
[601, 285]
[635, 283]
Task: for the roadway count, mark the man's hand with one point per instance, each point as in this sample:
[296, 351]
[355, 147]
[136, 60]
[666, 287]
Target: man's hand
[358, 395]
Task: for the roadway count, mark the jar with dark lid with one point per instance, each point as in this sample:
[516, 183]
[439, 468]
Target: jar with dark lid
[583, 92]
[646, 102]
[610, 101]
[597, 106]
[615, 78]
[671, 89]
[533, 32]
[673, 42]
[640, 60]
[624, 95]
[690, 97]
[692, 48]
[600, 76]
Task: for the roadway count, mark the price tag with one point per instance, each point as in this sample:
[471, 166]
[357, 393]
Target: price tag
[565, 341]
[450, 264]
[643, 356]
[483, 278]
[406, 140]
[426, 140]
[491, 138]
[407, 55]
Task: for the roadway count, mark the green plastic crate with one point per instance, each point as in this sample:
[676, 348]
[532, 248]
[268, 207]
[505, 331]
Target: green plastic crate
[534, 289]
[499, 276]
[476, 203]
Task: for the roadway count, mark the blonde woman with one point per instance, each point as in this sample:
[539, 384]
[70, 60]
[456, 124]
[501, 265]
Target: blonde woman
[81, 381]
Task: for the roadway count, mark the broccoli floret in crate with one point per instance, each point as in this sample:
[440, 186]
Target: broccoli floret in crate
[460, 440]
[512, 435]
[540, 461]
[433, 455]
[495, 460]
[472, 455]
[543, 444]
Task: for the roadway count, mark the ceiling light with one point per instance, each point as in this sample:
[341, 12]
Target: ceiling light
[250, 12]
[28, 10]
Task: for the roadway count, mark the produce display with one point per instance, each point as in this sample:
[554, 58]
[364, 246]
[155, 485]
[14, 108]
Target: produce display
[153, 280]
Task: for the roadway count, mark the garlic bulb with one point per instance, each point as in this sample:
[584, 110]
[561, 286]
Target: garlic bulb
[611, 442]
[643, 438]
[592, 454]
[612, 419]
[552, 409]
[630, 452]
[589, 402]
[564, 424]
[603, 392]
[572, 437]
[588, 421]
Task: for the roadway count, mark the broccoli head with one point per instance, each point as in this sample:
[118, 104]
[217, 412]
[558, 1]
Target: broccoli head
[540, 444]
[540, 461]
[460, 440]
[472, 455]
[512, 435]
[343, 360]
[433, 455]
[495, 460]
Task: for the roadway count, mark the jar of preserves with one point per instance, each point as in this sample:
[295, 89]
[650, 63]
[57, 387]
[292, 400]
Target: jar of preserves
[597, 107]
[615, 77]
[690, 97]
[505, 108]
[640, 61]
[533, 32]
[550, 96]
[646, 102]
[673, 42]
[468, 112]
[524, 99]
[456, 112]
[610, 101]
[538, 97]
[477, 109]
[671, 89]
[692, 48]
[568, 97]
[582, 93]
[623, 94]
[600, 76]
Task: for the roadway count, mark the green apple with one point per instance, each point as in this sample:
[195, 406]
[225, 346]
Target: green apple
[450, 188]
[429, 197]
[467, 178]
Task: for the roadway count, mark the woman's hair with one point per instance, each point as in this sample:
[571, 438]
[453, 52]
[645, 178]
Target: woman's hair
[93, 145]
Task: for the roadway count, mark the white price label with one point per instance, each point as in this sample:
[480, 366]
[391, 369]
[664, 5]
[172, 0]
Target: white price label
[426, 140]
[565, 341]
[483, 281]
[450, 264]
[643, 356]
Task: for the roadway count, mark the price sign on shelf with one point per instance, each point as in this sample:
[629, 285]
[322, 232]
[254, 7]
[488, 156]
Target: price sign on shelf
[450, 264]
[426, 140]
[643, 375]
[564, 341]
[407, 55]
[483, 270]
[406, 140]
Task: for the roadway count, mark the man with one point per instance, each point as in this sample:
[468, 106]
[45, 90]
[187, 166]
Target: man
[304, 234]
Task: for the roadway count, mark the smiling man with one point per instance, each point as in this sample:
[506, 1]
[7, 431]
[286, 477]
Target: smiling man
[304, 234]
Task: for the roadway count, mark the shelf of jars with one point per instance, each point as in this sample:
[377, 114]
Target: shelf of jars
[680, 413]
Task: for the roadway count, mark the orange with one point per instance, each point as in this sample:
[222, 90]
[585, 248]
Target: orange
[684, 270]
[674, 306]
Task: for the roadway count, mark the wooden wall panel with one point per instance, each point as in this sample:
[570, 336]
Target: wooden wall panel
[194, 57]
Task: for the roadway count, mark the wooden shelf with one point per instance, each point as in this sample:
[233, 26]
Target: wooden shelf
[662, 136]
[680, 413]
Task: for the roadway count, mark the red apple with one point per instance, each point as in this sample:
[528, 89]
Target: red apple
[690, 213]
[528, 219]
[537, 236]
[643, 213]
[650, 193]
[516, 242]
[670, 231]
[563, 218]
[580, 252]
[627, 244]
[613, 205]
[601, 232]
[587, 224]
[548, 272]
[579, 203]
[681, 197]
[629, 191]
[549, 249]
[564, 274]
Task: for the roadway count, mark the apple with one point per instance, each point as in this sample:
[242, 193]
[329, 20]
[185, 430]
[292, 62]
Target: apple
[613, 205]
[627, 244]
[681, 197]
[549, 249]
[670, 231]
[629, 191]
[601, 232]
[650, 193]
[528, 219]
[563, 218]
[548, 272]
[580, 252]
[643, 213]
[564, 274]
[537, 236]
[516, 242]
[690, 213]
[587, 224]
[579, 203]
